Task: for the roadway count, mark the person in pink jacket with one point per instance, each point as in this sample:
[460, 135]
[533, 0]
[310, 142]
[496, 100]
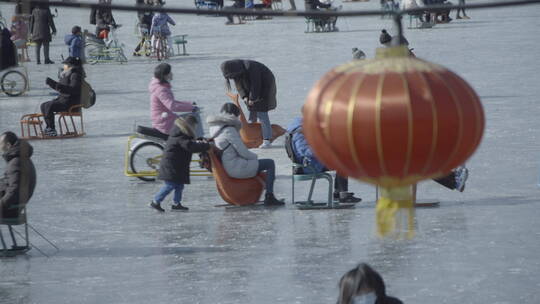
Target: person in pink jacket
[19, 36]
[162, 102]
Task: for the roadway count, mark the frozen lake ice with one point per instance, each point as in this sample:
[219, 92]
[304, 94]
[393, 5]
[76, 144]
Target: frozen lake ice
[479, 246]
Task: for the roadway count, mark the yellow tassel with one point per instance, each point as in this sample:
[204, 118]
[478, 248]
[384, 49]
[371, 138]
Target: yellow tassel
[395, 213]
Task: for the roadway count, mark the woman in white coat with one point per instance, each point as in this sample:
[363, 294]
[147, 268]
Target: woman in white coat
[237, 160]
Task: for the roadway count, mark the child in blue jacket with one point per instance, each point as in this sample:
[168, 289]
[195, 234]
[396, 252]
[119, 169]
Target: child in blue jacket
[75, 42]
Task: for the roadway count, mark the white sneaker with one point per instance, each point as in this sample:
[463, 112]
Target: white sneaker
[266, 144]
[461, 175]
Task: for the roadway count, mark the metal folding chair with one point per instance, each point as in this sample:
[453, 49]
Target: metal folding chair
[15, 248]
[299, 175]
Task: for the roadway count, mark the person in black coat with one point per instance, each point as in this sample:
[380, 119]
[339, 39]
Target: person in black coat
[363, 285]
[19, 181]
[256, 85]
[69, 87]
[102, 17]
[174, 164]
[41, 25]
[145, 22]
[8, 52]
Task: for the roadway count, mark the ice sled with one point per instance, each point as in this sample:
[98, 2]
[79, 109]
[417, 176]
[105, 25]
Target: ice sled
[235, 191]
[251, 132]
[32, 125]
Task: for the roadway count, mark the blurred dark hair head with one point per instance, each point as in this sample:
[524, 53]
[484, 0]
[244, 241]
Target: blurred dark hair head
[230, 108]
[9, 137]
[363, 277]
[161, 71]
[76, 29]
[384, 37]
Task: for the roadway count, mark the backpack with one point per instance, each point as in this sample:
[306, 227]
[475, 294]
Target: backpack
[204, 157]
[289, 148]
[289, 143]
[88, 95]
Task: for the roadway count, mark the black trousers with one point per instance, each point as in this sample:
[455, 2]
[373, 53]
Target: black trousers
[45, 45]
[341, 184]
[49, 108]
[448, 181]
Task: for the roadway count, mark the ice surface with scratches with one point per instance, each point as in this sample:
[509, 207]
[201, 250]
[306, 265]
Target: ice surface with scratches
[479, 246]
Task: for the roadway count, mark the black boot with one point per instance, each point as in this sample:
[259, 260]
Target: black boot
[271, 200]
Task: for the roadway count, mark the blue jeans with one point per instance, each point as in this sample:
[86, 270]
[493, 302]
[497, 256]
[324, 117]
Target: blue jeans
[265, 123]
[269, 166]
[166, 189]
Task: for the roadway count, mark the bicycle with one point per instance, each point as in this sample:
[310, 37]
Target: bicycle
[14, 83]
[145, 44]
[141, 159]
[98, 50]
[161, 47]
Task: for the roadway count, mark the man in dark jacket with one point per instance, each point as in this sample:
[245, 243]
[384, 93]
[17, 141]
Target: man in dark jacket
[145, 23]
[174, 164]
[69, 87]
[102, 17]
[256, 85]
[19, 181]
[41, 24]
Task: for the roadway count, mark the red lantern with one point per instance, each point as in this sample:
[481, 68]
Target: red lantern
[393, 120]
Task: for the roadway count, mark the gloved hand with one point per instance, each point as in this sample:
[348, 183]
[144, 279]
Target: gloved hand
[50, 83]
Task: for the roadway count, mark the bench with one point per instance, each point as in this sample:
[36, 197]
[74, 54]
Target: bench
[202, 4]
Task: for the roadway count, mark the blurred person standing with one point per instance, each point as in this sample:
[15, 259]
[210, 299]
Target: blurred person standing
[41, 25]
[19, 180]
[102, 17]
[256, 85]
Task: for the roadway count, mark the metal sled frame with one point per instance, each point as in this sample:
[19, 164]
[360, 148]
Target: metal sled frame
[32, 124]
[309, 203]
[16, 249]
[153, 161]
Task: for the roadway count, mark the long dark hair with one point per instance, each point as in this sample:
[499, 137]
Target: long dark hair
[162, 70]
[363, 276]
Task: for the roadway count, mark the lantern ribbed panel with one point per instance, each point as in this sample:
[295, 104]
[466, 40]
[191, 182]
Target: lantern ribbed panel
[393, 121]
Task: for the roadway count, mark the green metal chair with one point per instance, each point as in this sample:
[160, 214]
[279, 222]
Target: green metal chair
[299, 175]
[20, 220]
[16, 249]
